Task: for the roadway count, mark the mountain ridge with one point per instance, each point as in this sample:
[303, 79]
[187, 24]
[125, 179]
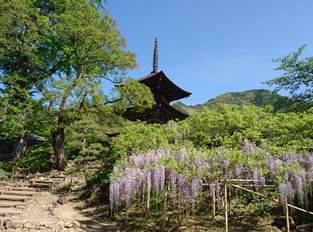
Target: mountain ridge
[257, 97]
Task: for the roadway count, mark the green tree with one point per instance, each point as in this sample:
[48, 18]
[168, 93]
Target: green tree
[87, 140]
[70, 49]
[297, 78]
[24, 26]
[139, 137]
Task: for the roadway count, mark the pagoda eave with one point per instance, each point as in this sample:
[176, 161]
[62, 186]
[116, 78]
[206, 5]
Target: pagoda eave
[159, 113]
[159, 84]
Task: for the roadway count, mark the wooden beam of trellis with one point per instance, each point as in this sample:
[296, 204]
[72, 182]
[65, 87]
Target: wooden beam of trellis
[272, 199]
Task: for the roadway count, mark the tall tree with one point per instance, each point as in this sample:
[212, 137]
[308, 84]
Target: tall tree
[25, 57]
[75, 50]
[297, 78]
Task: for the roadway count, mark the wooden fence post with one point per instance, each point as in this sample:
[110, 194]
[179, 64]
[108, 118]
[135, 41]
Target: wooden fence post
[226, 213]
[287, 214]
[164, 206]
[214, 205]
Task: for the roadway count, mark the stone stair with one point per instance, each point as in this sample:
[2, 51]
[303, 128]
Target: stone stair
[13, 199]
[10, 204]
[24, 205]
[16, 193]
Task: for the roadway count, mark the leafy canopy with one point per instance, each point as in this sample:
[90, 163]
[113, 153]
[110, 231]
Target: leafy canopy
[63, 52]
[297, 78]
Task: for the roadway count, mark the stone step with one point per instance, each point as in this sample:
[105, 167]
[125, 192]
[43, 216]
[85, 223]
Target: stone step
[19, 193]
[41, 186]
[13, 198]
[41, 181]
[14, 184]
[10, 182]
[8, 211]
[10, 204]
[18, 188]
[52, 176]
[19, 177]
[28, 189]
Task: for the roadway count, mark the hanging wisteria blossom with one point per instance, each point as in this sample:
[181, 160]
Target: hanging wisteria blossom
[185, 172]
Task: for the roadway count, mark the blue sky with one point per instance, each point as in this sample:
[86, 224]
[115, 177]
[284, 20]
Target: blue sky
[212, 47]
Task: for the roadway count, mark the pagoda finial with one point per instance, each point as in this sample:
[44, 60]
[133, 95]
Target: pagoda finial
[155, 56]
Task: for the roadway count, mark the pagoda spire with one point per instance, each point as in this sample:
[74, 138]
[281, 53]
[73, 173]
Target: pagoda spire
[155, 57]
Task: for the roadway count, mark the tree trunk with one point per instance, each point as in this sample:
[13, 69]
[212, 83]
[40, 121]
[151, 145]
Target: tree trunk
[58, 147]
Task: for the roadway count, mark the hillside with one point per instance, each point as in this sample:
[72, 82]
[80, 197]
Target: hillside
[258, 97]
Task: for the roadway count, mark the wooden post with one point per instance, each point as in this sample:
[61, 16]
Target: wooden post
[112, 212]
[226, 213]
[287, 215]
[229, 200]
[164, 207]
[147, 204]
[178, 216]
[214, 205]
[147, 200]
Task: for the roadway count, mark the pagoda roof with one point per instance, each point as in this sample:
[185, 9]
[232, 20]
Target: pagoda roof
[161, 113]
[159, 82]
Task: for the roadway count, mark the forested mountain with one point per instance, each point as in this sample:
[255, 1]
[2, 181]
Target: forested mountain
[257, 97]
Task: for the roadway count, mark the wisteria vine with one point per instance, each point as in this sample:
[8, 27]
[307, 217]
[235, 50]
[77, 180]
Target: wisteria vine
[186, 172]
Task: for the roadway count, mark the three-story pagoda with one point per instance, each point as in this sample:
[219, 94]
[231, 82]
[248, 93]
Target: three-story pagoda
[164, 92]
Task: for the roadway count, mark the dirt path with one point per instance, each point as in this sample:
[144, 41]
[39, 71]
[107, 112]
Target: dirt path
[70, 216]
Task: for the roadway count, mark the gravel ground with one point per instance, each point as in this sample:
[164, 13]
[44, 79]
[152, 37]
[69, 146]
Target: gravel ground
[70, 216]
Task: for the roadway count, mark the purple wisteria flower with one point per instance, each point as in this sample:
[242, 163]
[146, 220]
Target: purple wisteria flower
[173, 179]
[225, 163]
[247, 147]
[238, 171]
[270, 163]
[146, 173]
[286, 191]
[299, 183]
[309, 162]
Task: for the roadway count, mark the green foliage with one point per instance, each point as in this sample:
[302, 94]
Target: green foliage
[138, 96]
[296, 78]
[37, 160]
[86, 140]
[20, 118]
[64, 51]
[226, 127]
[214, 136]
[102, 177]
[139, 137]
[38, 156]
[246, 203]
[4, 175]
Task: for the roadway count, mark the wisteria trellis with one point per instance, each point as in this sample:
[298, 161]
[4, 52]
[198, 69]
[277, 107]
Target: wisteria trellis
[186, 171]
